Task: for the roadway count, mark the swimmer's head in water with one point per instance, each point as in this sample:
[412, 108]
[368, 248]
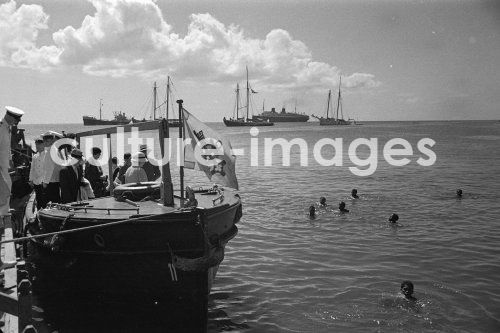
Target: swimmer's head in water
[407, 288]
[394, 218]
[322, 201]
[354, 192]
[312, 211]
[459, 193]
[342, 205]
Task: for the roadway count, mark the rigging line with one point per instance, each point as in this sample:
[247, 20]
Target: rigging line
[99, 226]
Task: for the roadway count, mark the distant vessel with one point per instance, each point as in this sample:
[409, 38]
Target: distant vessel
[171, 122]
[119, 118]
[244, 121]
[282, 117]
[334, 120]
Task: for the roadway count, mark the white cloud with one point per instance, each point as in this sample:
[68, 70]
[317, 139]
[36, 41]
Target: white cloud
[19, 28]
[131, 38]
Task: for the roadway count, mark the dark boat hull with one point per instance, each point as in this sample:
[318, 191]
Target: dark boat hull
[173, 256]
[171, 122]
[334, 122]
[97, 122]
[283, 118]
[242, 123]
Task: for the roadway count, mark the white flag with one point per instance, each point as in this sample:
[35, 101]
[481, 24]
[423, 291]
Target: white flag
[219, 167]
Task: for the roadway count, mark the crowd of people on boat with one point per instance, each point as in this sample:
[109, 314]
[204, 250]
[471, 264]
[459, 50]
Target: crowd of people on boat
[79, 179]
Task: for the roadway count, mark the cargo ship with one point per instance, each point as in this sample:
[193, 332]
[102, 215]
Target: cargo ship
[119, 119]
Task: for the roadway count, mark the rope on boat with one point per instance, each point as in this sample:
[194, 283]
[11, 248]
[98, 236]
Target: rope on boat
[99, 226]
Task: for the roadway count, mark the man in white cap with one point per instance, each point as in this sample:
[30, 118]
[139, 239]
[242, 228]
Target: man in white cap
[51, 169]
[152, 170]
[12, 117]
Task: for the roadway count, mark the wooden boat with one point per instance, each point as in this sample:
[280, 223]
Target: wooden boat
[153, 248]
[335, 120]
[245, 121]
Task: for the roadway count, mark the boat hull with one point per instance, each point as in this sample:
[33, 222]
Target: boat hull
[95, 122]
[173, 256]
[171, 122]
[282, 117]
[241, 123]
[333, 122]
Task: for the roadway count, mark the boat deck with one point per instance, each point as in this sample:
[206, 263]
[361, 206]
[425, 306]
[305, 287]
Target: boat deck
[112, 209]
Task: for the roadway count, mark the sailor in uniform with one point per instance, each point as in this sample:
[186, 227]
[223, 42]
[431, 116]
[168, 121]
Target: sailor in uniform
[12, 117]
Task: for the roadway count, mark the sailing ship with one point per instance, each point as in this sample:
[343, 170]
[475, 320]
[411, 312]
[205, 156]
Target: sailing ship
[144, 242]
[120, 118]
[174, 122]
[245, 121]
[336, 120]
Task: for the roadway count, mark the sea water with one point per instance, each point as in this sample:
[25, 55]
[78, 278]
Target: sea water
[285, 272]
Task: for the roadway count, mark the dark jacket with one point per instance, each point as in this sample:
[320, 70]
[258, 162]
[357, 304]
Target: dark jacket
[93, 174]
[70, 183]
[152, 171]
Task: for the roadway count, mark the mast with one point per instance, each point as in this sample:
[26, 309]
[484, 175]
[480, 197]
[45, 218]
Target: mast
[100, 108]
[237, 99]
[248, 95]
[168, 94]
[338, 100]
[328, 103]
[154, 101]
[181, 136]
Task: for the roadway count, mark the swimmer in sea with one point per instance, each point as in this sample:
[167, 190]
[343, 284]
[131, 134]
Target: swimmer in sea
[407, 290]
[312, 211]
[342, 207]
[322, 202]
[459, 193]
[394, 218]
[354, 194]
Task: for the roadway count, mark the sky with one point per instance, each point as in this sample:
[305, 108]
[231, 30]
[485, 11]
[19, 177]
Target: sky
[399, 60]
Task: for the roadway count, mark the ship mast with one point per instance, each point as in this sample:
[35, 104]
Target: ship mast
[154, 101]
[338, 101]
[328, 103]
[100, 108]
[237, 100]
[248, 95]
[168, 94]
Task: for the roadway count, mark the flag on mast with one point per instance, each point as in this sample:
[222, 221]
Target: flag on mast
[220, 164]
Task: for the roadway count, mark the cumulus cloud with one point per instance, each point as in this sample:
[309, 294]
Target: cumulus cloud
[19, 29]
[131, 38]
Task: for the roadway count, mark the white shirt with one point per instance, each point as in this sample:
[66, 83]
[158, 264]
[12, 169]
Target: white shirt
[36, 170]
[51, 168]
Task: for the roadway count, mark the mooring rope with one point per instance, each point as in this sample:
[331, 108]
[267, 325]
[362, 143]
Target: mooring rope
[99, 226]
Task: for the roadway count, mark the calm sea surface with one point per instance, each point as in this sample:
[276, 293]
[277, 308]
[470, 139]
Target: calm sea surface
[341, 273]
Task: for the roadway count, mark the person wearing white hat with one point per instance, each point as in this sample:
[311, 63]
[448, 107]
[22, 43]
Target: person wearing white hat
[12, 118]
[36, 172]
[135, 173]
[51, 169]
